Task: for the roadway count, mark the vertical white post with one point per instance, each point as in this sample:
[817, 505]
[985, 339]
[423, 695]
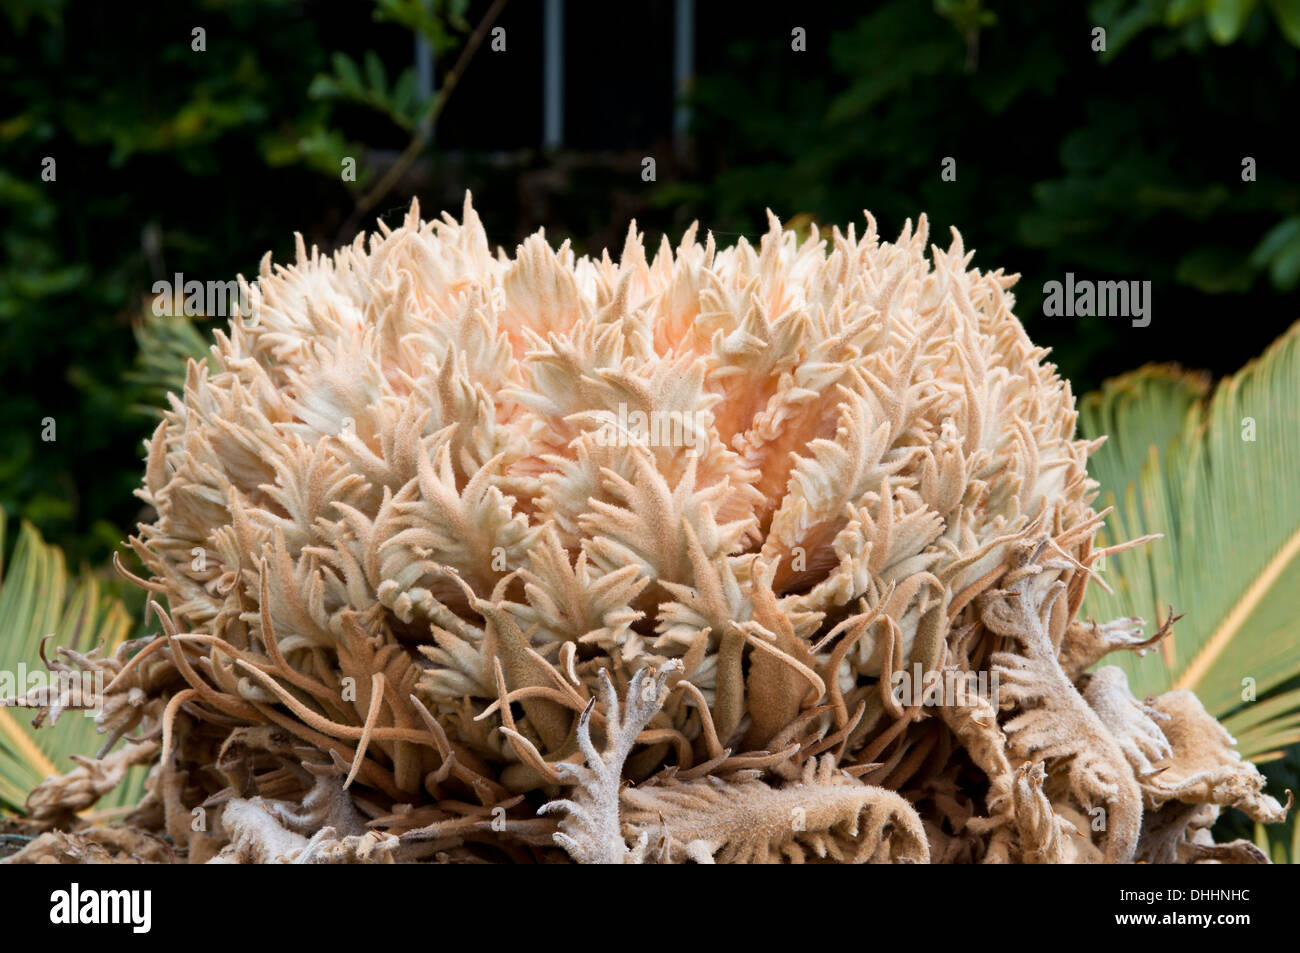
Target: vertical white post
[424, 77]
[683, 69]
[553, 74]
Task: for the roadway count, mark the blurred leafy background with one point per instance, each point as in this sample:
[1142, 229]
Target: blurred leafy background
[1122, 163]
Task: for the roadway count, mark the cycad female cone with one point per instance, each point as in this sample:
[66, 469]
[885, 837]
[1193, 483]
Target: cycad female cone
[443, 536]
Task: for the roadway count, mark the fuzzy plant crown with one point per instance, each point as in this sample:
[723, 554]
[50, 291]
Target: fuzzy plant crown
[432, 511]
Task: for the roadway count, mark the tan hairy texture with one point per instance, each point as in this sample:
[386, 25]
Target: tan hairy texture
[1202, 768]
[432, 510]
[822, 817]
[591, 829]
[1043, 838]
[1055, 722]
[1135, 727]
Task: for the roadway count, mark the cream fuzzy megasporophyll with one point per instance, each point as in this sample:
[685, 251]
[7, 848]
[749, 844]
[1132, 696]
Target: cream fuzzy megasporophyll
[420, 507]
[424, 408]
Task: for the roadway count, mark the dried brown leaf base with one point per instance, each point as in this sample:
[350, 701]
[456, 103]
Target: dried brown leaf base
[1072, 772]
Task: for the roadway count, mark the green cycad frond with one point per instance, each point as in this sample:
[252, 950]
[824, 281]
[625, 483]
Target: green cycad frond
[165, 343]
[1279, 850]
[38, 599]
[1218, 476]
